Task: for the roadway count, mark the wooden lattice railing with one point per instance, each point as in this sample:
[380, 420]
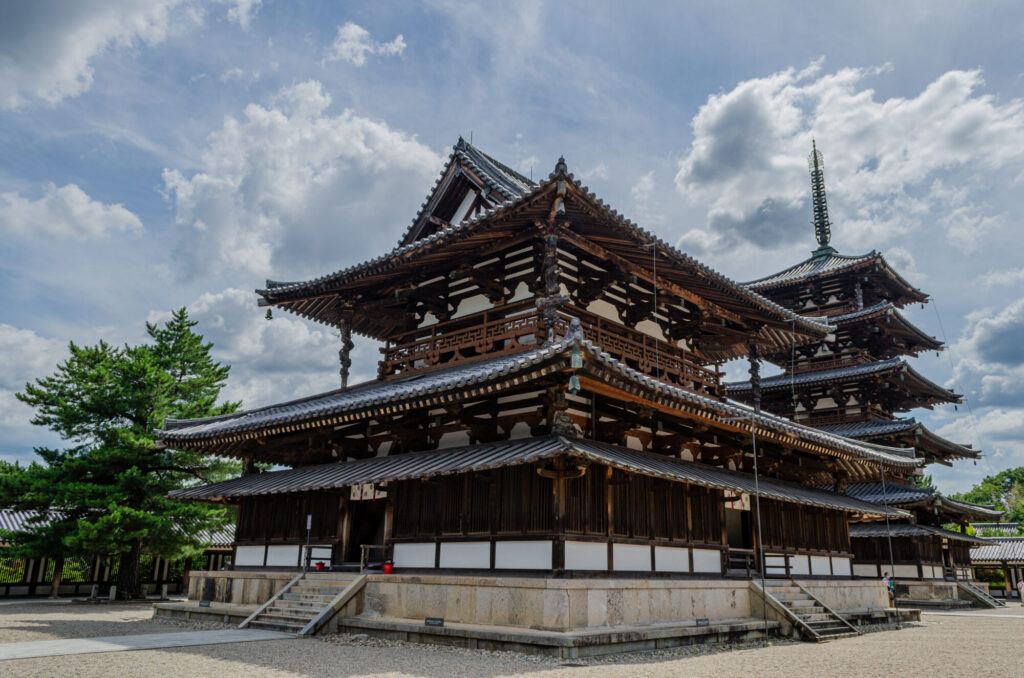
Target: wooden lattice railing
[520, 327]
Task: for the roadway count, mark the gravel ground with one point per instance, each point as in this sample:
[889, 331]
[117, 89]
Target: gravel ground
[939, 646]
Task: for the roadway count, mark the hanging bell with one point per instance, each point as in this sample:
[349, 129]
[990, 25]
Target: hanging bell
[576, 358]
[574, 384]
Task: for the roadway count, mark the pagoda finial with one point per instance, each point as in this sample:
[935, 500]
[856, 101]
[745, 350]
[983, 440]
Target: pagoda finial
[560, 166]
[822, 226]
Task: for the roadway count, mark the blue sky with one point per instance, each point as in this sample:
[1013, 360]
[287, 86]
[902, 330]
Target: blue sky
[178, 152]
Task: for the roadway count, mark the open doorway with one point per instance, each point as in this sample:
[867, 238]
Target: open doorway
[366, 526]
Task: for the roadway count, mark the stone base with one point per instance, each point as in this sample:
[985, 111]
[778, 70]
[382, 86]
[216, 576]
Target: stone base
[225, 613]
[566, 645]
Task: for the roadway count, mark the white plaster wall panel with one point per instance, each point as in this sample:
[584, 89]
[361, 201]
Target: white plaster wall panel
[799, 565]
[668, 559]
[471, 305]
[706, 560]
[865, 570]
[453, 439]
[820, 566]
[905, 572]
[581, 555]
[282, 556]
[249, 555]
[522, 555]
[473, 554]
[631, 558]
[414, 555]
[841, 567]
[321, 553]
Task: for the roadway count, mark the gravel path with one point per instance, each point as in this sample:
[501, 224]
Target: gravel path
[938, 647]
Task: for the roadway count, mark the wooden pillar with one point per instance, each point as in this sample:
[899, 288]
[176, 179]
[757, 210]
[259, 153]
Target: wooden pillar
[558, 490]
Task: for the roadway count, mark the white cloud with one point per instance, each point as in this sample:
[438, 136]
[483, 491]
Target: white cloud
[242, 11]
[24, 357]
[271, 360]
[64, 212]
[47, 47]
[353, 44]
[642, 193]
[746, 162]
[1007, 277]
[292, 190]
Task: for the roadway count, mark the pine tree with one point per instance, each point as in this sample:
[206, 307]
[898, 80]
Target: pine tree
[105, 494]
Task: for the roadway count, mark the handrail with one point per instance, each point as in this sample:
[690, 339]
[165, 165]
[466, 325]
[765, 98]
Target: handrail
[336, 604]
[786, 612]
[273, 598]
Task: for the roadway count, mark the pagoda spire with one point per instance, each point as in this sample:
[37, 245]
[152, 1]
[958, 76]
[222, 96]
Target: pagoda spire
[822, 230]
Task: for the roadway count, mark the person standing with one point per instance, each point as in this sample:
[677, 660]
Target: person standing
[1020, 591]
[888, 586]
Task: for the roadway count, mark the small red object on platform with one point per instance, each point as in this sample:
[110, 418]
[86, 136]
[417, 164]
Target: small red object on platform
[388, 568]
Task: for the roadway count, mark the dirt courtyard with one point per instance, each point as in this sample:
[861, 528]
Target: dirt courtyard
[976, 644]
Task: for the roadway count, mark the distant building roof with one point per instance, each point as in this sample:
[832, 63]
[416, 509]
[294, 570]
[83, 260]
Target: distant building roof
[1006, 529]
[1003, 550]
[22, 521]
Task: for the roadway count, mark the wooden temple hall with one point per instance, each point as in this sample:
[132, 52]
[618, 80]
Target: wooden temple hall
[548, 400]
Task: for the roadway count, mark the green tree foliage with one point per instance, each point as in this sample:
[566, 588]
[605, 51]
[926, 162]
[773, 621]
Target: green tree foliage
[106, 492]
[1005, 490]
[924, 482]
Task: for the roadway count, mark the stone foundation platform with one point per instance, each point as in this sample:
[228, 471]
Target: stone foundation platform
[564, 617]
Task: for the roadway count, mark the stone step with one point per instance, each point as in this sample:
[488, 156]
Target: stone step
[815, 617]
[307, 596]
[782, 588]
[796, 604]
[284, 618]
[835, 636]
[299, 605]
[790, 596]
[276, 626]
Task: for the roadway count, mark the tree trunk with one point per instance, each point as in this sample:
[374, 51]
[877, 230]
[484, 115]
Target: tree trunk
[129, 584]
[58, 574]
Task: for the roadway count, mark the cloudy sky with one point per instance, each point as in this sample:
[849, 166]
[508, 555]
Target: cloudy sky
[163, 153]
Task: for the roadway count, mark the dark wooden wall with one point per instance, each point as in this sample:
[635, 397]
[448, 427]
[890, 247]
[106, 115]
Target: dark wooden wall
[281, 518]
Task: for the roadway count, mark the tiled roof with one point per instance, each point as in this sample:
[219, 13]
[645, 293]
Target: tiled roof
[274, 290]
[876, 428]
[909, 530]
[19, 521]
[1004, 549]
[905, 495]
[887, 308]
[893, 493]
[389, 392]
[826, 262]
[510, 453]
[845, 375]
[871, 427]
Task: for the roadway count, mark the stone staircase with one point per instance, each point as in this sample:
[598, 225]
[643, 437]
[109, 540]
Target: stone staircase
[304, 601]
[979, 595]
[816, 621]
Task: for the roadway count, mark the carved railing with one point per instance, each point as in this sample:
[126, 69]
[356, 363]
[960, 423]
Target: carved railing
[845, 360]
[479, 335]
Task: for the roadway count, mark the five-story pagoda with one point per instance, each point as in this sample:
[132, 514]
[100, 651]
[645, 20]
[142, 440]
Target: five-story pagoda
[857, 383]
